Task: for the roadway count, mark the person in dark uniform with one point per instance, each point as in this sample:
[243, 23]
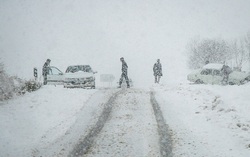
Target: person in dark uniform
[226, 70]
[46, 71]
[124, 73]
[157, 69]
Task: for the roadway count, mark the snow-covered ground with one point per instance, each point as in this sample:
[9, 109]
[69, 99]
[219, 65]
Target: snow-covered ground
[33, 124]
[205, 120]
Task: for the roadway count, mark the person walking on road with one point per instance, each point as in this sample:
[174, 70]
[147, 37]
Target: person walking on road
[157, 69]
[124, 73]
[46, 71]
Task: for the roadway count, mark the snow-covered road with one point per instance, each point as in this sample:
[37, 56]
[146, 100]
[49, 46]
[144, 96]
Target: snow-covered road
[179, 120]
[48, 121]
[131, 129]
[55, 121]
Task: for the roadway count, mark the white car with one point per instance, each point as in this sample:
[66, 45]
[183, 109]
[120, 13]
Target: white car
[213, 74]
[79, 76]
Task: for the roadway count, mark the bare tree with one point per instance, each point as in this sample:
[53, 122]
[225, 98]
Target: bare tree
[247, 42]
[238, 54]
[212, 50]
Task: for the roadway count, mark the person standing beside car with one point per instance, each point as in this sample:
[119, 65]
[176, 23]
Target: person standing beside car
[226, 70]
[46, 71]
[124, 73]
[157, 69]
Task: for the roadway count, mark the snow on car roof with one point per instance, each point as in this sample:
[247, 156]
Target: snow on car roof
[213, 66]
[76, 68]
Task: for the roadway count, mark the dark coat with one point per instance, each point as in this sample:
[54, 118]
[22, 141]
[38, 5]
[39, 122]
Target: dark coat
[45, 69]
[124, 67]
[157, 69]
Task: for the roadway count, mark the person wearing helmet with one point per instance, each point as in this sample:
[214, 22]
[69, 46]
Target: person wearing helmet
[157, 69]
[124, 73]
[46, 71]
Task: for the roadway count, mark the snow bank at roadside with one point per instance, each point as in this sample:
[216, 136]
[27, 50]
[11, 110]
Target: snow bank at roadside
[44, 114]
[207, 120]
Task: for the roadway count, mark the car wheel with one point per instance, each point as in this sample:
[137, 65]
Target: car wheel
[199, 81]
[93, 87]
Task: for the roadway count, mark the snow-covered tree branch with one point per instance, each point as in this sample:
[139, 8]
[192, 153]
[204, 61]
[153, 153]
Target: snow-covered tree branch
[12, 85]
[238, 54]
[6, 84]
[212, 50]
[234, 53]
[247, 43]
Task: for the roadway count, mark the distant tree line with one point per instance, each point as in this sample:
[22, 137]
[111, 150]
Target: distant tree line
[235, 52]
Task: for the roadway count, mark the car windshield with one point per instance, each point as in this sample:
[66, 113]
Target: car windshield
[77, 68]
[206, 72]
[216, 72]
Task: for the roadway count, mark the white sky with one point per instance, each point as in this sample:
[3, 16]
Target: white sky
[98, 32]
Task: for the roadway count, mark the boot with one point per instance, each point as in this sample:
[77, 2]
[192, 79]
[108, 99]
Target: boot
[128, 86]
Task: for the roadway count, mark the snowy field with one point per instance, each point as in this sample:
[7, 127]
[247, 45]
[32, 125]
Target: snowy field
[205, 120]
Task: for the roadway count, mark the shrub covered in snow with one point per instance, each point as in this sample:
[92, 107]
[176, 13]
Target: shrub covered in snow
[6, 84]
[12, 85]
[31, 86]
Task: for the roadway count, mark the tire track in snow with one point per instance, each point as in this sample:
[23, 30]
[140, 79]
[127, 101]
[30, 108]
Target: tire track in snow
[165, 144]
[163, 130]
[131, 130]
[84, 145]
